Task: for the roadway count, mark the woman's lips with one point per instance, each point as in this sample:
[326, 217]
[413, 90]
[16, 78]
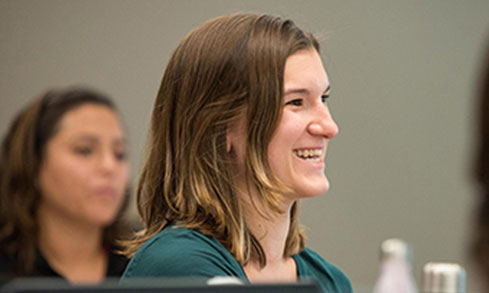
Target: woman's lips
[309, 154]
[106, 191]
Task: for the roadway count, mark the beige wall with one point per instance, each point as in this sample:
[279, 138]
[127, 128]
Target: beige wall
[402, 73]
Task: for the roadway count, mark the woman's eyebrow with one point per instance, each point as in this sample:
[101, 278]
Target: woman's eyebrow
[327, 90]
[304, 91]
[296, 91]
[119, 141]
[84, 138]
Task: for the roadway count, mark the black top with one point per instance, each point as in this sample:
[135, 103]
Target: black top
[115, 267]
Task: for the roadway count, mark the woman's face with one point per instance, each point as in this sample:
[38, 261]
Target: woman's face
[297, 149]
[84, 173]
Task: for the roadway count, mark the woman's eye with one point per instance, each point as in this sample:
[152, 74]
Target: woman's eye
[296, 102]
[324, 98]
[120, 156]
[84, 151]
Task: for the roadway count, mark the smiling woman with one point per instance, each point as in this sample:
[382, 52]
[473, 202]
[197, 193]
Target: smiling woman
[238, 135]
[64, 177]
[305, 128]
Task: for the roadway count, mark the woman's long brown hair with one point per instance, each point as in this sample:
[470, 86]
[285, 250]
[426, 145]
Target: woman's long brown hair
[229, 65]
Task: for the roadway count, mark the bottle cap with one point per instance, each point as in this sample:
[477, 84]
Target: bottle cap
[395, 249]
[443, 278]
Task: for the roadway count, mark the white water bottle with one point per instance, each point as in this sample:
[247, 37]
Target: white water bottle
[395, 268]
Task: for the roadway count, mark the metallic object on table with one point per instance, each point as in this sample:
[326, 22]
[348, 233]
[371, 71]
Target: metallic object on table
[443, 278]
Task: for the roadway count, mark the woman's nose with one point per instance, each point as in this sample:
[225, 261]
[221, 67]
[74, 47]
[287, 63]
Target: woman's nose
[323, 123]
[107, 162]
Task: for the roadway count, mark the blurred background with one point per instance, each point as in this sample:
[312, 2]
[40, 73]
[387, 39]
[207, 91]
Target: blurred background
[403, 75]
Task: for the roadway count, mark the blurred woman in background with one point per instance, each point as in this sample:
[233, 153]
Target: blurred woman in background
[63, 187]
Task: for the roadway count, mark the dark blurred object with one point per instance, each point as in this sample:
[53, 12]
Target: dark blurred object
[480, 244]
[32, 285]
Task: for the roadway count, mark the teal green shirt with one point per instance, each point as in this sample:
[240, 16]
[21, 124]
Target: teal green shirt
[181, 252]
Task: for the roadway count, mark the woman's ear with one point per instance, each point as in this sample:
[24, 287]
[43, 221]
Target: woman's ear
[231, 138]
[228, 142]
[236, 136]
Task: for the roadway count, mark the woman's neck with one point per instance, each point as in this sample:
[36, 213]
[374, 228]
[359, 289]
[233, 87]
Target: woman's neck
[271, 230]
[72, 248]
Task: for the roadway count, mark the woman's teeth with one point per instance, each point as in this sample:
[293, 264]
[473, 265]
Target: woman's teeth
[309, 155]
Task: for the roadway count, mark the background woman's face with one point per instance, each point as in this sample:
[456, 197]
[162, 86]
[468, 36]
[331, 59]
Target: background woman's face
[84, 173]
[297, 149]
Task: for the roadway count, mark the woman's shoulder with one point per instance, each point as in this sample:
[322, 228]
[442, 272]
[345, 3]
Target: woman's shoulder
[176, 240]
[182, 252]
[330, 277]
